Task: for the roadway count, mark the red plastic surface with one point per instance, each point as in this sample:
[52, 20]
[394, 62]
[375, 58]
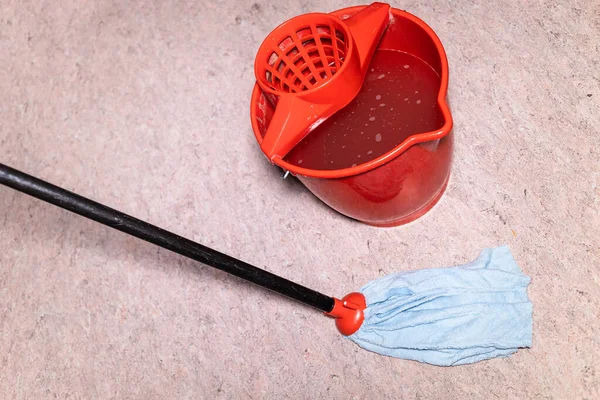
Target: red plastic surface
[310, 67]
[407, 181]
[349, 313]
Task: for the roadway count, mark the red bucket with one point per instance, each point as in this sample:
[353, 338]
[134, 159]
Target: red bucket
[405, 182]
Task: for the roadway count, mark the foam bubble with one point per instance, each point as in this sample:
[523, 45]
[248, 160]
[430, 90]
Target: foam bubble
[372, 119]
[378, 97]
[381, 76]
[378, 137]
[418, 101]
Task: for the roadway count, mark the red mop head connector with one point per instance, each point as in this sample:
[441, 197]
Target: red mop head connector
[349, 313]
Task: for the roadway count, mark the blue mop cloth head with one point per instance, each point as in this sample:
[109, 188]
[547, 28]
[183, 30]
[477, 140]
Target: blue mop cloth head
[449, 316]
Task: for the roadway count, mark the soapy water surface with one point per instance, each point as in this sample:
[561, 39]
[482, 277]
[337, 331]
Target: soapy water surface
[398, 99]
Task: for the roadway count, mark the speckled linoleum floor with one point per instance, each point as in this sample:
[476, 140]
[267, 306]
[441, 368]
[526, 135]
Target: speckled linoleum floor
[144, 106]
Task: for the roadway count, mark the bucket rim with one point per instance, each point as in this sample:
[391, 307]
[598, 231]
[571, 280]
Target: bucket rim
[396, 151]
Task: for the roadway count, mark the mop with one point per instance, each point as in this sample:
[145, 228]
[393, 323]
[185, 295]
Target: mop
[440, 316]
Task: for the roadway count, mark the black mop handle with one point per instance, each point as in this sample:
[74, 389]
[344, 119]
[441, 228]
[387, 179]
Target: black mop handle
[115, 219]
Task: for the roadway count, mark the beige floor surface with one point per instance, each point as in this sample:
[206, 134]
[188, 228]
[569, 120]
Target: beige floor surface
[144, 106]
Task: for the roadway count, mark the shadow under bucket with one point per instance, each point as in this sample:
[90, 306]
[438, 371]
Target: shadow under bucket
[385, 158]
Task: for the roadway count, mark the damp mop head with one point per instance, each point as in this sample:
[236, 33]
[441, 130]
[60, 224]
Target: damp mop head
[446, 316]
